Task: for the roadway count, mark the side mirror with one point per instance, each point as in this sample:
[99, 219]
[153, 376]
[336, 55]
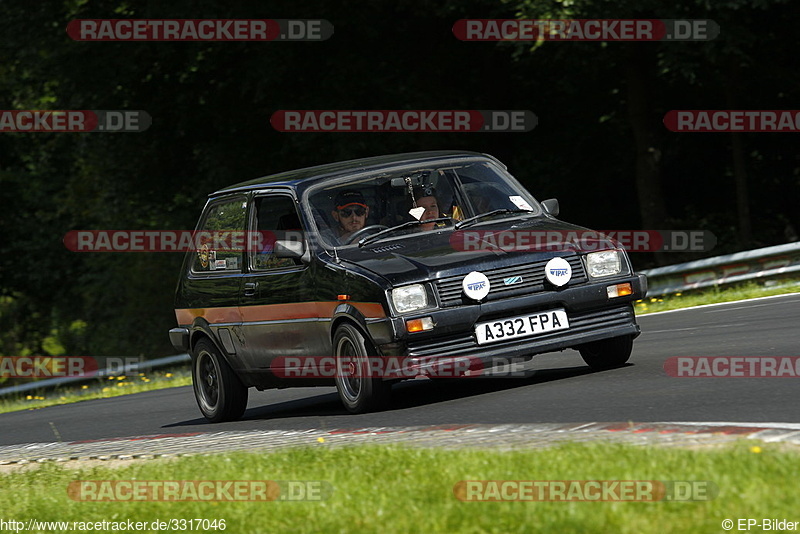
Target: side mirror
[551, 206]
[289, 249]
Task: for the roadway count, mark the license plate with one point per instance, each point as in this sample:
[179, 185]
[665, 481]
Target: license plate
[521, 326]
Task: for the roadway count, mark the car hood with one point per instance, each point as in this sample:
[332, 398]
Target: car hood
[447, 252]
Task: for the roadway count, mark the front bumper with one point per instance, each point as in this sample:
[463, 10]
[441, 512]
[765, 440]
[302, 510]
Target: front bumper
[592, 317]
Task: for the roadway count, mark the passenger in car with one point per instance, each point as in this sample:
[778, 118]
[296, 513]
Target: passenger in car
[426, 198]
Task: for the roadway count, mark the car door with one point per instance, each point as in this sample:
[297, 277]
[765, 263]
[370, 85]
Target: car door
[278, 305]
[209, 294]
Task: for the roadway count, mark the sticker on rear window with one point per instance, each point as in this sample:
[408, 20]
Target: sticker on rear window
[520, 202]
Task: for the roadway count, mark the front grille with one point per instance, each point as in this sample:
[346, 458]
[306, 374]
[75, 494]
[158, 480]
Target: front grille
[464, 344]
[533, 280]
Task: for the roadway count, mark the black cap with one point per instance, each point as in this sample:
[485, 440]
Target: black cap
[348, 197]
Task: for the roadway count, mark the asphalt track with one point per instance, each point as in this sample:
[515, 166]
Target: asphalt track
[560, 389]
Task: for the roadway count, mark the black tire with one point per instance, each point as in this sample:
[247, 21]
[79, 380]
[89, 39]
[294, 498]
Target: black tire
[607, 353]
[360, 393]
[220, 394]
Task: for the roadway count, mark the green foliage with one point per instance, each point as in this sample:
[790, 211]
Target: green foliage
[211, 103]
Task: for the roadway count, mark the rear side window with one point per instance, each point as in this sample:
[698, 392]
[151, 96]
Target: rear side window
[217, 250]
[276, 218]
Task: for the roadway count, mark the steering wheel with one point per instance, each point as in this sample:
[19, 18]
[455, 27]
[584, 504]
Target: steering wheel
[358, 234]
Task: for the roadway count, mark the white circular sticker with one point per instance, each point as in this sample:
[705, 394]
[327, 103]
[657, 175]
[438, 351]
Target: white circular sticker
[475, 285]
[558, 271]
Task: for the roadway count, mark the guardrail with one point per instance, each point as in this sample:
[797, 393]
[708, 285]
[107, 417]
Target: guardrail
[126, 369]
[770, 262]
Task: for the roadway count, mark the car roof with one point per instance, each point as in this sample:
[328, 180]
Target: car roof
[308, 175]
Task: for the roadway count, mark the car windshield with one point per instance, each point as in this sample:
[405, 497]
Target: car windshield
[348, 211]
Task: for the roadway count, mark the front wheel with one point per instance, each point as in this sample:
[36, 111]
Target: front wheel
[220, 394]
[607, 353]
[359, 391]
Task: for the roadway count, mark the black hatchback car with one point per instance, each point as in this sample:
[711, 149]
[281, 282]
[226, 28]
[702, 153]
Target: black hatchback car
[365, 272]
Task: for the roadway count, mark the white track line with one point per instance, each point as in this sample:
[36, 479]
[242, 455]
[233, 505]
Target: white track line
[717, 304]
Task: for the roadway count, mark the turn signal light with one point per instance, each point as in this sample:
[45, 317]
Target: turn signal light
[419, 325]
[619, 290]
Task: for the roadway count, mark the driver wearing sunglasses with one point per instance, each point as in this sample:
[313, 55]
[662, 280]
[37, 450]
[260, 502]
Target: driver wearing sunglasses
[350, 211]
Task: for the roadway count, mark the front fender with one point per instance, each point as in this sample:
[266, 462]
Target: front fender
[347, 312]
[378, 329]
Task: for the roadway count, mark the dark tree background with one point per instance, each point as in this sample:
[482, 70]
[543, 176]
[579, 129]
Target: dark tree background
[600, 145]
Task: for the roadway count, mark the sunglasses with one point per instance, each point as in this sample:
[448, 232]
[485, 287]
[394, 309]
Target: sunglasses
[348, 212]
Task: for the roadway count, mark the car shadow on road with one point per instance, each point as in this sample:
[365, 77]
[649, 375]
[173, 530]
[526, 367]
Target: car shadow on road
[412, 394]
[409, 394]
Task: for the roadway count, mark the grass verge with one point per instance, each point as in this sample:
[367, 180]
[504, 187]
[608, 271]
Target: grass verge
[390, 489]
[112, 386]
[717, 294]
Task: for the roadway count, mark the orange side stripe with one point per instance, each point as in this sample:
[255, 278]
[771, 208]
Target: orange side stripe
[212, 315]
[274, 312]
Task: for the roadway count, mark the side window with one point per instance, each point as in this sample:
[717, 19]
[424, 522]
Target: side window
[215, 251]
[276, 219]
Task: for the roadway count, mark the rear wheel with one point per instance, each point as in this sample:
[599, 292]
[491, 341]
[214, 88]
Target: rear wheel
[220, 394]
[607, 353]
[359, 391]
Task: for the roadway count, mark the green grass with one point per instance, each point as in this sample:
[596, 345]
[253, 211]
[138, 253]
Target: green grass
[717, 294]
[389, 489]
[112, 386]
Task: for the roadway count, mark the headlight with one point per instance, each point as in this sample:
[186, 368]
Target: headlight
[409, 298]
[605, 263]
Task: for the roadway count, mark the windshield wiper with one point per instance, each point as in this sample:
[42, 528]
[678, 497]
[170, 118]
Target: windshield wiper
[408, 224]
[476, 218]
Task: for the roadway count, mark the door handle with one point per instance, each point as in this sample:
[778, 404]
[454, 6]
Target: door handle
[250, 289]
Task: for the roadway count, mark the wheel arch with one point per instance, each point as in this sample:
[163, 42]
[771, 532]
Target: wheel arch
[349, 314]
[201, 329]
